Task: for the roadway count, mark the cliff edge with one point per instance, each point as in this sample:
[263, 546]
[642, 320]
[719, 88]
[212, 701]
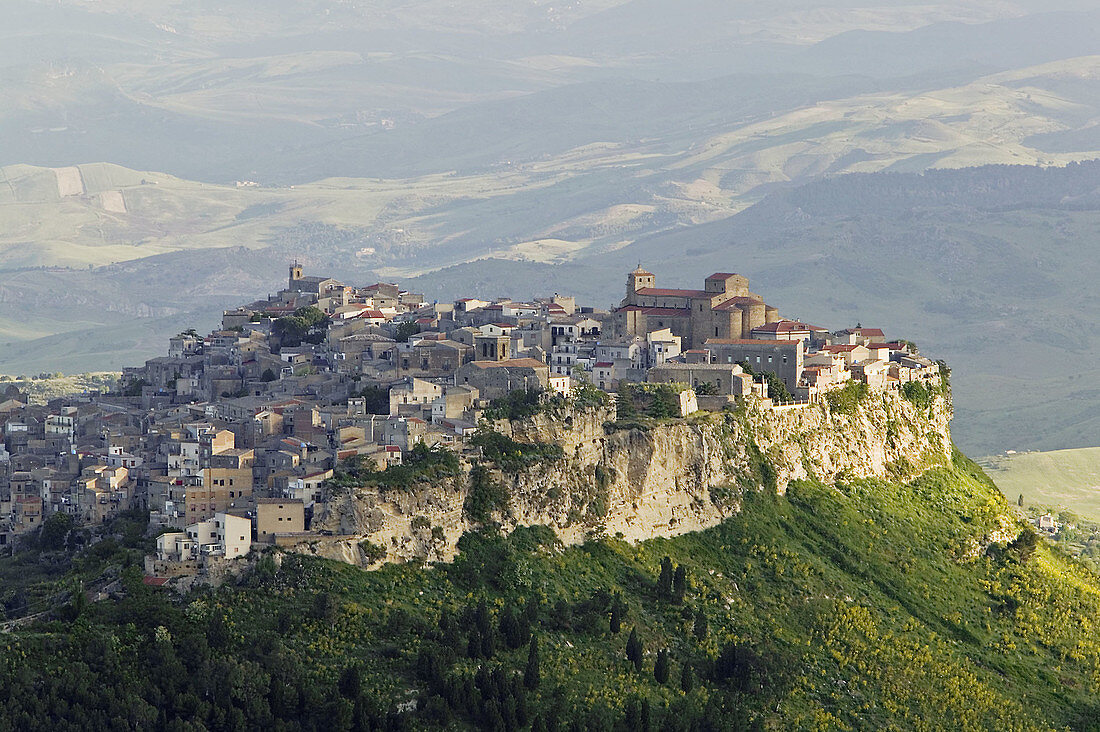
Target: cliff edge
[582, 474]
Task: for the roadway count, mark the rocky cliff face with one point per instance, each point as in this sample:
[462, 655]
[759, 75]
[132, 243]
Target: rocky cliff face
[675, 477]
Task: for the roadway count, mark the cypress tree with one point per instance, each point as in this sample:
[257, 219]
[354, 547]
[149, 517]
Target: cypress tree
[488, 644]
[481, 618]
[351, 682]
[531, 612]
[631, 714]
[524, 629]
[687, 679]
[625, 410]
[634, 650]
[679, 584]
[664, 582]
[616, 614]
[699, 628]
[509, 628]
[660, 669]
[531, 675]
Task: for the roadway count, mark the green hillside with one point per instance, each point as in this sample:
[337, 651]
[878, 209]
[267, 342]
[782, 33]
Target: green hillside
[869, 605]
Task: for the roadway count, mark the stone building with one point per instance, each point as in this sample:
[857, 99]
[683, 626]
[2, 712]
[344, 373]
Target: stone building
[278, 516]
[785, 358]
[724, 308]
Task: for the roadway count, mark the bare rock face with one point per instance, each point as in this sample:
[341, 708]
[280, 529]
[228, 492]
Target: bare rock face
[675, 477]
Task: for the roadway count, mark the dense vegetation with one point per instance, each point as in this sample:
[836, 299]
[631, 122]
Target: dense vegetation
[513, 456]
[525, 403]
[421, 464]
[866, 605]
[307, 325]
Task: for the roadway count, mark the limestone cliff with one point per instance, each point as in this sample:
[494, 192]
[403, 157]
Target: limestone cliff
[674, 477]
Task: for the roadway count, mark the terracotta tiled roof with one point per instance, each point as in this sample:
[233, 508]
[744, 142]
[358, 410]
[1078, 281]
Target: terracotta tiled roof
[782, 326]
[751, 342]
[664, 292]
[667, 312]
[512, 363]
[735, 301]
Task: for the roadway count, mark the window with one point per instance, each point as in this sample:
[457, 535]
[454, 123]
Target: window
[716, 331]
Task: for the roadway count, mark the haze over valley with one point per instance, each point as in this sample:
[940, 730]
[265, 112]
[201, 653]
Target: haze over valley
[162, 161]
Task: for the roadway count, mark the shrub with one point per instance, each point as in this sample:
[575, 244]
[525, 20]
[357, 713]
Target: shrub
[513, 456]
[917, 393]
[421, 464]
[486, 496]
[846, 399]
[777, 390]
[515, 405]
[585, 394]
[371, 552]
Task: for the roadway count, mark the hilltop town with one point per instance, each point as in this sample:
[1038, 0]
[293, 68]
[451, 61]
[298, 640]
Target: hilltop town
[233, 438]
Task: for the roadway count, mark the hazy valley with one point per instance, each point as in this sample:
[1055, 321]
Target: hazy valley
[323, 131]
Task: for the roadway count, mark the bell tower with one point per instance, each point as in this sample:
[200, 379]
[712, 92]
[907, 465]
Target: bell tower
[638, 279]
[295, 273]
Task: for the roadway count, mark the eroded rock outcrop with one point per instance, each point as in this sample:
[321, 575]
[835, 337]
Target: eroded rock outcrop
[675, 477]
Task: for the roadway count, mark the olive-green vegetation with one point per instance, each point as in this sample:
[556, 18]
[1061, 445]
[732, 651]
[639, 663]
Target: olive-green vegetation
[526, 403]
[486, 495]
[866, 605]
[846, 400]
[513, 456]
[421, 464]
[405, 330]
[62, 557]
[777, 390]
[376, 399]
[518, 404]
[307, 325]
[637, 405]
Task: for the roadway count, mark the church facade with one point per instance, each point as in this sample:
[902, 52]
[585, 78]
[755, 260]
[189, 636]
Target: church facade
[724, 308]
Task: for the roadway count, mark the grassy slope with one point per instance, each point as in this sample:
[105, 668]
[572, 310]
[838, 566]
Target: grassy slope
[1062, 479]
[861, 601]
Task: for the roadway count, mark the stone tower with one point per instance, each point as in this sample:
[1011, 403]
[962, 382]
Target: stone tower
[295, 274]
[637, 279]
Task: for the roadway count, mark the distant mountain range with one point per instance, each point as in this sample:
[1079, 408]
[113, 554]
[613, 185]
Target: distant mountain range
[498, 149]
